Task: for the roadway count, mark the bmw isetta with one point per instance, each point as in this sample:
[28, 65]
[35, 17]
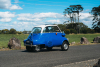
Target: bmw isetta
[46, 36]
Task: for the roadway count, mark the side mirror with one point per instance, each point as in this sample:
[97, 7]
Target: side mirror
[63, 34]
[31, 33]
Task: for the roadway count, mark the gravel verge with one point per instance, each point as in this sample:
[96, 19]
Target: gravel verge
[88, 63]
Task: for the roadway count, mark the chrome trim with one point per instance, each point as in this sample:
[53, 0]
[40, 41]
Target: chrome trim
[30, 45]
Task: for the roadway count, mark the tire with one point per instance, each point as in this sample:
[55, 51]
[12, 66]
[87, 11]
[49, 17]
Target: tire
[65, 46]
[28, 48]
[49, 48]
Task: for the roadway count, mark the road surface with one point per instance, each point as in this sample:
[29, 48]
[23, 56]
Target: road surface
[44, 58]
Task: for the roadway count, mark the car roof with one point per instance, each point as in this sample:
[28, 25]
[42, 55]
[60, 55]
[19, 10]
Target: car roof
[43, 26]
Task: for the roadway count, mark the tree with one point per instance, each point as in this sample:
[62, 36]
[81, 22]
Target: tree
[73, 31]
[62, 27]
[12, 31]
[66, 31]
[19, 32]
[76, 9]
[72, 11]
[76, 26]
[97, 29]
[69, 12]
[96, 17]
[0, 31]
[5, 31]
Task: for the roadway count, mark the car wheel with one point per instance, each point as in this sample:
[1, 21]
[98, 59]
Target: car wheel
[29, 49]
[49, 48]
[65, 46]
[37, 48]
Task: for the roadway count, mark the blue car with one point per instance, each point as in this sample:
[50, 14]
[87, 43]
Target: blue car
[46, 36]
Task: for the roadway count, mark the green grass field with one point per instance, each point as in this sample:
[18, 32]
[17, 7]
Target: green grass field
[4, 38]
[77, 37]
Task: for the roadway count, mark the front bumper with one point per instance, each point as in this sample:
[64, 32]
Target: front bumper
[30, 45]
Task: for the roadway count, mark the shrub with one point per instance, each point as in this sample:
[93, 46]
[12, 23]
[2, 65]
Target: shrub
[12, 31]
[73, 31]
[19, 32]
[67, 31]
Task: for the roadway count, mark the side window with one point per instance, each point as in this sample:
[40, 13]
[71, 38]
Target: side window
[46, 29]
[56, 29]
[51, 29]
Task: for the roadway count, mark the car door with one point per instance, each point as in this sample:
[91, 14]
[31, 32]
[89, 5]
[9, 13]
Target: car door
[53, 36]
[56, 36]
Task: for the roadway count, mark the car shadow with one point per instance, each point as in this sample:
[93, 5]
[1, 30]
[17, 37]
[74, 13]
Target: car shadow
[42, 50]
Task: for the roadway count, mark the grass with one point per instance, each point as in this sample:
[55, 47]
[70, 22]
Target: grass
[4, 38]
[77, 37]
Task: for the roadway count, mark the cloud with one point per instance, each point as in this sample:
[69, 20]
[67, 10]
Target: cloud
[5, 19]
[14, 7]
[86, 18]
[54, 22]
[20, 26]
[38, 16]
[27, 21]
[6, 4]
[6, 16]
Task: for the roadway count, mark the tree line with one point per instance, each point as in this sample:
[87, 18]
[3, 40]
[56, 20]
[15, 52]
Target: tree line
[13, 31]
[76, 28]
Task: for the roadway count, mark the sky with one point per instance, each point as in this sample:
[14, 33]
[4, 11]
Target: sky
[25, 14]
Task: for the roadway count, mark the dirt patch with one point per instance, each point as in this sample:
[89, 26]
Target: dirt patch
[6, 49]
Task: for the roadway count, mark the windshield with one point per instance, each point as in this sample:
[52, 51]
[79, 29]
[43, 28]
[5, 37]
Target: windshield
[36, 30]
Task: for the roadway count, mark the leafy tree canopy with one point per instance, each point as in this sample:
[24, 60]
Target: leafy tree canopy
[12, 31]
[96, 14]
[73, 12]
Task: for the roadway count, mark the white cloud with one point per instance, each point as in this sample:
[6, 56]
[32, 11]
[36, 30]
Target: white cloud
[86, 18]
[5, 19]
[38, 16]
[54, 21]
[6, 16]
[27, 21]
[85, 15]
[6, 4]
[20, 26]
[14, 7]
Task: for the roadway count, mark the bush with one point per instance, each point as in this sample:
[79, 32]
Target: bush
[5, 31]
[19, 32]
[67, 31]
[0, 32]
[92, 31]
[73, 31]
[12, 31]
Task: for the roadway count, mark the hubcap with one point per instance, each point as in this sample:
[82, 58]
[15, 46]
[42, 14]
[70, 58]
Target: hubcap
[65, 46]
[37, 48]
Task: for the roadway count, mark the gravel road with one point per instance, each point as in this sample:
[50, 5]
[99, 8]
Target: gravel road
[54, 58]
